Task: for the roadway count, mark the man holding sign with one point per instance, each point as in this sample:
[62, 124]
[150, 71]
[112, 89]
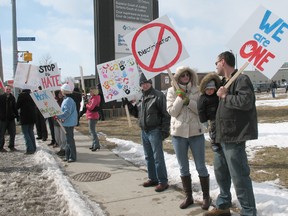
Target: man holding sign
[236, 122]
[154, 122]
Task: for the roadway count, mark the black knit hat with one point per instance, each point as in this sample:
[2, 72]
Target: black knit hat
[144, 80]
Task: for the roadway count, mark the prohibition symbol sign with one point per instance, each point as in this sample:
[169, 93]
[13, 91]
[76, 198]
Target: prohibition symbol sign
[151, 66]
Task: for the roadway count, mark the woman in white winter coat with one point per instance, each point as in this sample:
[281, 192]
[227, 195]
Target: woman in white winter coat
[188, 133]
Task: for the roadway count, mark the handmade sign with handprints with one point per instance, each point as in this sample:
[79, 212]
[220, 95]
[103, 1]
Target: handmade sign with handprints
[119, 78]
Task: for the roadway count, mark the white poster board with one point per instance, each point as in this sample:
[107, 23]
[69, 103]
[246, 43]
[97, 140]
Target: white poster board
[26, 76]
[119, 78]
[50, 76]
[46, 103]
[156, 47]
[262, 41]
[29, 76]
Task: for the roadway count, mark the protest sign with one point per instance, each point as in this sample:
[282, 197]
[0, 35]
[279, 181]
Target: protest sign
[119, 78]
[2, 85]
[46, 103]
[262, 41]
[26, 76]
[156, 47]
[50, 77]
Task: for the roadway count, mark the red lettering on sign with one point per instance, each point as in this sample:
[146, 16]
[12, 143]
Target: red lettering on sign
[251, 50]
[156, 54]
[50, 81]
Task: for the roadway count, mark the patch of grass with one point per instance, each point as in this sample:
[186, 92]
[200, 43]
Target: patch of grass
[268, 114]
[269, 163]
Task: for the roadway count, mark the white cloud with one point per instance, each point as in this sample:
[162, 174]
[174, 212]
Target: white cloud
[5, 2]
[70, 7]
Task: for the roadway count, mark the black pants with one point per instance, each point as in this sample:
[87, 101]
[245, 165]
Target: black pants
[11, 127]
[41, 126]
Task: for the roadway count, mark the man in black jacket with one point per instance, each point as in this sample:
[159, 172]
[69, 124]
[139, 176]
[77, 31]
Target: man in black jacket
[154, 122]
[8, 113]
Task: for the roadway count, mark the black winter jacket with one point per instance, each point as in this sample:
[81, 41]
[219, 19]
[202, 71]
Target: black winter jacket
[207, 107]
[152, 112]
[236, 117]
[27, 108]
[207, 104]
[8, 109]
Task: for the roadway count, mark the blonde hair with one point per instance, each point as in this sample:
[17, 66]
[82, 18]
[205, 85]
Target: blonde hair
[94, 91]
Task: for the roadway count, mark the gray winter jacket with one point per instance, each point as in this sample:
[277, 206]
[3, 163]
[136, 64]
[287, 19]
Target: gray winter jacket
[236, 117]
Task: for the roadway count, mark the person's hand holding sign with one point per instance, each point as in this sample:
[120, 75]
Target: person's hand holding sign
[180, 93]
[222, 92]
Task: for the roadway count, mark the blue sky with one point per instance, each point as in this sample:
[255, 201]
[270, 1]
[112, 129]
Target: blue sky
[64, 30]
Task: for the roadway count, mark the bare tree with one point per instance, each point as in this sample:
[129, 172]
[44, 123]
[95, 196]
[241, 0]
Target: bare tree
[46, 59]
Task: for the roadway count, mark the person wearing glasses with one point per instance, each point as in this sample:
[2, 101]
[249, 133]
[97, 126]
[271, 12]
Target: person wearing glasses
[236, 122]
[188, 133]
[8, 113]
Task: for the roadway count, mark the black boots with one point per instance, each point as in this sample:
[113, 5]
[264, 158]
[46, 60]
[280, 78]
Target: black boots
[187, 187]
[204, 181]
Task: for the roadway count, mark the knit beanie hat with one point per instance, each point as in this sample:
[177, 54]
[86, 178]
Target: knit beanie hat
[66, 88]
[144, 80]
[210, 85]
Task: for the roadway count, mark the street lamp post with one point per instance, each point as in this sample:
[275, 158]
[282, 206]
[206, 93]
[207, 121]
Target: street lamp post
[14, 38]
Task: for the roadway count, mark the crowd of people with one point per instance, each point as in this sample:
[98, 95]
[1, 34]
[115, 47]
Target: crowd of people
[61, 127]
[229, 112]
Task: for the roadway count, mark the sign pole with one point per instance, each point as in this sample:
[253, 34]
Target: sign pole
[128, 115]
[174, 82]
[236, 75]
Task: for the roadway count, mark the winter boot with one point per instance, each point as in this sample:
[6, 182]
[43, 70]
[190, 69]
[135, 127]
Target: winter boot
[187, 187]
[204, 181]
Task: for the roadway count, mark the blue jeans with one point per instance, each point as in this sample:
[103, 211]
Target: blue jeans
[11, 127]
[92, 130]
[154, 155]
[29, 137]
[70, 150]
[197, 146]
[273, 92]
[231, 163]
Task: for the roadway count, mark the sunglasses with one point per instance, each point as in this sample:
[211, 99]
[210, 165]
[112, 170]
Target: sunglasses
[185, 74]
[217, 62]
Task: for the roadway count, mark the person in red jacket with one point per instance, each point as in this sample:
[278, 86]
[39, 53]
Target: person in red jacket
[92, 116]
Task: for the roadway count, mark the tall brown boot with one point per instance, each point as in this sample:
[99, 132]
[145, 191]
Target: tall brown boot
[204, 181]
[187, 187]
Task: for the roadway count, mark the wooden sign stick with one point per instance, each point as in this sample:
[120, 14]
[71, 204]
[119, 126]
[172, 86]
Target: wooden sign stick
[28, 74]
[236, 75]
[174, 82]
[128, 115]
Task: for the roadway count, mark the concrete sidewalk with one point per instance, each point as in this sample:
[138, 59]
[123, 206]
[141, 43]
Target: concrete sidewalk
[116, 185]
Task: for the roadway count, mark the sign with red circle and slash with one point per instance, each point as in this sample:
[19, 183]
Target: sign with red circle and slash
[156, 47]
